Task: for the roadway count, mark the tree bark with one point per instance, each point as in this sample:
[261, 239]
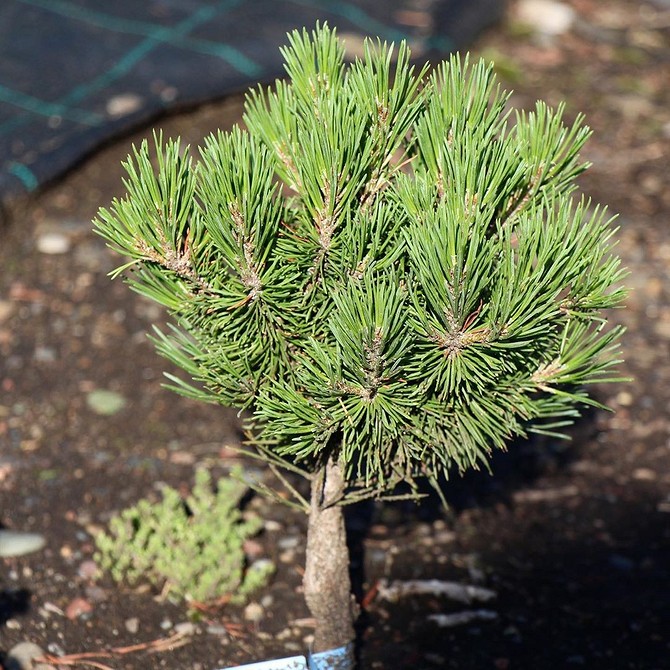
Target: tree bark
[326, 581]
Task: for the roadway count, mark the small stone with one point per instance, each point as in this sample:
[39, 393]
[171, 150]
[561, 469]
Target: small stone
[271, 525]
[13, 624]
[53, 243]
[49, 608]
[166, 624]
[21, 656]
[77, 608]
[284, 634]
[253, 548]
[6, 310]
[17, 544]
[95, 594]
[219, 631]
[624, 398]
[644, 474]
[132, 625]
[287, 556]
[253, 612]
[547, 17]
[267, 601]
[104, 402]
[45, 355]
[662, 328]
[288, 542]
[185, 628]
[55, 649]
[88, 569]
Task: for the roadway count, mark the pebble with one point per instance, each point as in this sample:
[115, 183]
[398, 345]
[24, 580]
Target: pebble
[55, 649]
[53, 243]
[104, 402]
[95, 594]
[45, 355]
[14, 543]
[6, 310]
[288, 542]
[20, 657]
[88, 569]
[547, 17]
[662, 329]
[287, 556]
[254, 612]
[77, 608]
[284, 634]
[253, 548]
[132, 625]
[644, 474]
[663, 506]
[49, 608]
[185, 628]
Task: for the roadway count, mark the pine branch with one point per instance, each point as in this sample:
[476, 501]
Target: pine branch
[386, 267]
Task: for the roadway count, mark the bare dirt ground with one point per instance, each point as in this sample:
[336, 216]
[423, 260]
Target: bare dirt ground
[574, 538]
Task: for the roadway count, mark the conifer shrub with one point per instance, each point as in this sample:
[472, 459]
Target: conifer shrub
[388, 270]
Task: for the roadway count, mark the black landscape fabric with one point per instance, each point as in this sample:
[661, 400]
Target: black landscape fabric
[74, 73]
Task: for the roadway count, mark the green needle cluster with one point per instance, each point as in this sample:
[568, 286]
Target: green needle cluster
[387, 267]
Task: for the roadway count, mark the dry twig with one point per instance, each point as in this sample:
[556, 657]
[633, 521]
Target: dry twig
[89, 658]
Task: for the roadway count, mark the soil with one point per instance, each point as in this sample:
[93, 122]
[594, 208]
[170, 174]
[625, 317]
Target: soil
[573, 537]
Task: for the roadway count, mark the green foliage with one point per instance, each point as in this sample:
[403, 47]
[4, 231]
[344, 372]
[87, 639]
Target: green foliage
[387, 267]
[192, 549]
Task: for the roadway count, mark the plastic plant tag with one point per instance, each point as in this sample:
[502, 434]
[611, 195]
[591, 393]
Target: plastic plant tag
[341, 658]
[292, 663]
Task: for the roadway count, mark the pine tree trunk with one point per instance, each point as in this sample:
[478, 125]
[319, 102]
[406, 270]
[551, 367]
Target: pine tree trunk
[326, 581]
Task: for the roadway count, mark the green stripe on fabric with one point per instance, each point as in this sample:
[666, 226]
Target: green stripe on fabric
[24, 174]
[132, 57]
[357, 16]
[43, 108]
[129, 60]
[232, 56]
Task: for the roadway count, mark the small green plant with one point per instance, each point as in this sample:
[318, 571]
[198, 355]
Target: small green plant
[192, 549]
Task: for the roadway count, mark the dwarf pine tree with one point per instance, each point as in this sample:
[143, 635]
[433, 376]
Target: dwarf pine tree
[387, 270]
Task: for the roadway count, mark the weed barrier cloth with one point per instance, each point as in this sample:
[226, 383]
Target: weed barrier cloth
[75, 73]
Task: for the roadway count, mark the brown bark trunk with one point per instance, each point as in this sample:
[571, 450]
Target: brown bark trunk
[326, 581]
